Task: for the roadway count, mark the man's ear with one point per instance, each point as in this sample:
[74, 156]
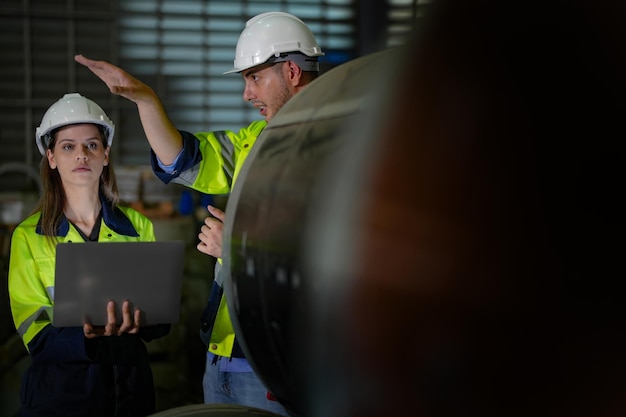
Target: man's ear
[294, 74]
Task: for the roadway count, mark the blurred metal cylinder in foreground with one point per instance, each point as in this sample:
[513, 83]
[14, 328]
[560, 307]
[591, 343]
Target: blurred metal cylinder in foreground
[436, 235]
[288, 176]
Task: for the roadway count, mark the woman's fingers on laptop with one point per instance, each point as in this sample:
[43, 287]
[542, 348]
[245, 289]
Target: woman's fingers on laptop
[137, 320]
[89, 331]
[110, 328]
[130, 323]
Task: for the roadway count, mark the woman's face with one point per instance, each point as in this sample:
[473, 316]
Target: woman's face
[79, 154]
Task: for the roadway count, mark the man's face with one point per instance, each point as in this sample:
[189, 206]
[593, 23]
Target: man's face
[267, 88]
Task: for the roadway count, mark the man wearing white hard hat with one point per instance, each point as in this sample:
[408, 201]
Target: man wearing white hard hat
[277, 56]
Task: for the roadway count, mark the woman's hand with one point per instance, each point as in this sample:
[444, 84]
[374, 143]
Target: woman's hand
[130, 322]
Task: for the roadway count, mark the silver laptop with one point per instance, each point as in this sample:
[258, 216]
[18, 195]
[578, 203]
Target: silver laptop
[88, 275]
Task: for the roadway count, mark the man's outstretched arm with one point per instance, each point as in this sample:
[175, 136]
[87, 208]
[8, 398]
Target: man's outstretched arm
[165, 140]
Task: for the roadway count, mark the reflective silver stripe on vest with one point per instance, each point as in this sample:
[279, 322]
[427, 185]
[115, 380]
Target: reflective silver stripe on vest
[42, 313]
[228, 155]
[188, 177]
[216, 273]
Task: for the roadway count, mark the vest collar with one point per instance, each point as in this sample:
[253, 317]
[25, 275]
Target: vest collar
[112, 216]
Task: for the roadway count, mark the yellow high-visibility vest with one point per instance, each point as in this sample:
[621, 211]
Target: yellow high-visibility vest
[33, 259]
[223, 154]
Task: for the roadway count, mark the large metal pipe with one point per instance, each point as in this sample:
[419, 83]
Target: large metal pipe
[268, 214]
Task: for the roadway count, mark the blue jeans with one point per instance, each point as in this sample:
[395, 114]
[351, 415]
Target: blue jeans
[241, 387]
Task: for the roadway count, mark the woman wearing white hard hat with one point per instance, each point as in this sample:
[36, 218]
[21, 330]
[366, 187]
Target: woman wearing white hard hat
[89, 370]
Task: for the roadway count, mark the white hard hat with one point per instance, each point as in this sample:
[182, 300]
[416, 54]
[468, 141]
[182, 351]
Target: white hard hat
[69, 110]
[272, 34]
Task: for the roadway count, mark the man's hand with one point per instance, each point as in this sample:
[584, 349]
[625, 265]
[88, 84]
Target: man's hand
[119, 81]
[211, 233]
[130, 323]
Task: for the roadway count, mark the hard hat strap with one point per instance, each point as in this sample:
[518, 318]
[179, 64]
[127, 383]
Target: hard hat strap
[306, 63]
